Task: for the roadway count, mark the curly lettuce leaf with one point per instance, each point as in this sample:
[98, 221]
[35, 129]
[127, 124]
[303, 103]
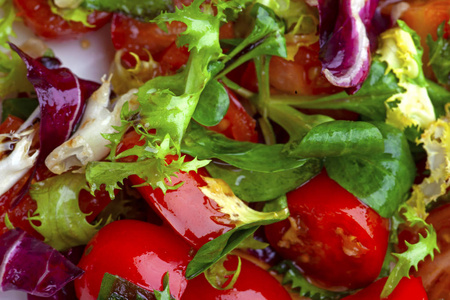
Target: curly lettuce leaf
[217, 275]
[436, 142]
[400, 49]
[62, 223]
[440, 55]
[151, 167]
[415, 252]
[245, 219]
[384, 179]
[292, 276]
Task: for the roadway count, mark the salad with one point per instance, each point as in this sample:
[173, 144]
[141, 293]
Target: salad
[265, 149]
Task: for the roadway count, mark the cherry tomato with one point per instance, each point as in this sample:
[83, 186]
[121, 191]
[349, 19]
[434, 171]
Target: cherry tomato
[137, 251]
[253, 283]
[195, 217]
[237, 124]
[407, 288]
[139, 37]
[38, 16]
[338, 242]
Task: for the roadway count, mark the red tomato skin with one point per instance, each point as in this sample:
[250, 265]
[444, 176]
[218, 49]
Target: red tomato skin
[407, 288]
[237, 124]
[254, 283]
[191, 214]
[139, 37]
[338, 242]
[137, 251]
[38, 16]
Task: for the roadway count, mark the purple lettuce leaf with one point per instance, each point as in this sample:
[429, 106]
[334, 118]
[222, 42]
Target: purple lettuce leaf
[344, 40]
[29, 265]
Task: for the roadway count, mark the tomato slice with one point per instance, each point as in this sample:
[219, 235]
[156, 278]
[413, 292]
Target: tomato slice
[253, 283]
[338, 242]
[137, 251]
[237, 124]
[407, 288]
[38, 16]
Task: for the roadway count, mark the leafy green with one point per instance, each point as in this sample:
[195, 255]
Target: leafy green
[415, 253]
[147, 9]
[217, 275]
[252, 186]
[114, 287]
[338, 138]
[22, 107]
[266, 38]
[213, 104]
[13, 73]
[245, 219]
[381, 180]
[206, 144]
[439, 97]
[151, 167]
[168, 102]
[78, 14]
[298, 282]
[62, 223]
[440, 55]
[368, 101]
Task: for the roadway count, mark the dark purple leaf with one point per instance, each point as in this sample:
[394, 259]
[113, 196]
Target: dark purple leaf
[30, 265]
[62, 98]
[344, 42]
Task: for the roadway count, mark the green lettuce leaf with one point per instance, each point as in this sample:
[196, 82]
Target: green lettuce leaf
[78, 14]
[338, 138]
[292, 276]
[383, 180]
[440, 55]
[150, 166]
[62, 223]
[415, 253]
[144, 9]
[22, 107]
[253, 186]
[213, 104]
[206, 144]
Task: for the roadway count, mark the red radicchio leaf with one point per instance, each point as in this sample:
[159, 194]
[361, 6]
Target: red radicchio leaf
[28, 264]
[62, 97]
[344, 42]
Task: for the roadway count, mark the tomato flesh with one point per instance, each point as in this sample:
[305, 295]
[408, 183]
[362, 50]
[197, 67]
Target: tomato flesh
[338, 242]
[407, 288]
[253, 283]
[38, 16]
[137, 251]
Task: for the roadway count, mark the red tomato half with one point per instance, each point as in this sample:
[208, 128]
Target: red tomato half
[38, 16]
[137, 251]
[253, 283]
[337, 241]
[407, 288]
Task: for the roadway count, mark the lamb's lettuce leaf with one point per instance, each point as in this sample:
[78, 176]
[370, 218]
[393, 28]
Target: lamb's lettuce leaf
[144, 9]
[383, 179]
[440, 55]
